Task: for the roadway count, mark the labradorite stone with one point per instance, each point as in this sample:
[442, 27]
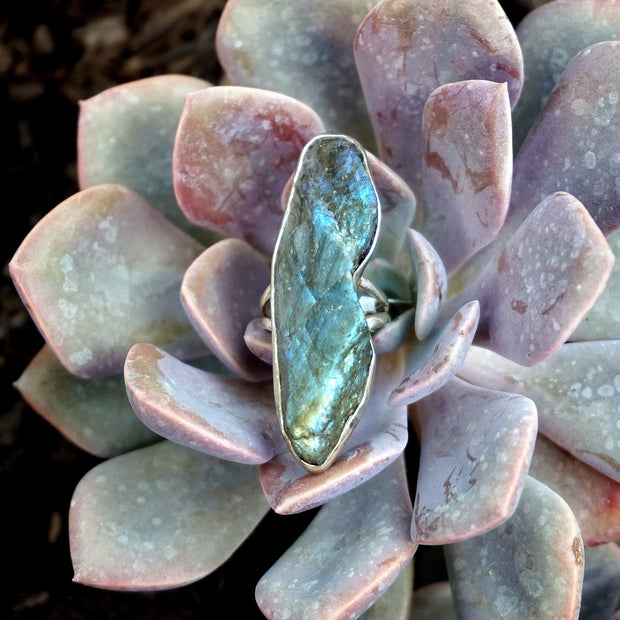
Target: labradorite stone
[323, 356]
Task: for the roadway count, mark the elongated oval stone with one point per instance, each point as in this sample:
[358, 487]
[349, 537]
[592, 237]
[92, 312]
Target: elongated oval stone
[323, 355]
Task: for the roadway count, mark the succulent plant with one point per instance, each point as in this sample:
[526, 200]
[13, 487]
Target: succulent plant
[502, 348]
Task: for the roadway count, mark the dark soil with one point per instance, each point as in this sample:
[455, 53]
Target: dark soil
[52, 54]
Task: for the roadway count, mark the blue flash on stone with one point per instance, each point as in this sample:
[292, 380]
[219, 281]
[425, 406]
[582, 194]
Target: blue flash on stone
[323, 356]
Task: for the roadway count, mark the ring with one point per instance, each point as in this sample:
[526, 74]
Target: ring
[373, 300]
[319, 308]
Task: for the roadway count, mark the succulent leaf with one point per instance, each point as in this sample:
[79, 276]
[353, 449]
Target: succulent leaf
[95, 414]
[476, 447]
[602, 322]
[467, 167]
[571, 146]
[225, 417]
[221, 292]
[160, 517]
[235, 149]
[529, 567]
[126, 135]
[431, 283]
[593, 497]
[101, 272]
[390, 337]
[404, 50]
[577, 393]
[537, 289]
[309, 55]
[550, 37]
[434, 361]
[316, 580]
[378, 439]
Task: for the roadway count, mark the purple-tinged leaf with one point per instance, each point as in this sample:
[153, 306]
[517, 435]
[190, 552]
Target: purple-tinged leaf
[404, 50]
[467, 167]
[225, 417]
[529, 567]
[391, 336]
[576, 391]
[476, 447]
[350, 554]
[235, 150]
[101, 272]
[437, 359]
[430, 280]
[549, 38]
[378, 440]
[94, 414]
[601, 583]
[221, 292]
[537, 289]
[304, 50]
[395, 603]
[572, 146]
[126, 135]
[160, 517]
[593, 497]
[433, 602]
[602, 322]
[258, 340]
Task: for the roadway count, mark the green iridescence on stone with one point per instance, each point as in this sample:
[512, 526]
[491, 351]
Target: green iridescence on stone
[323, 355]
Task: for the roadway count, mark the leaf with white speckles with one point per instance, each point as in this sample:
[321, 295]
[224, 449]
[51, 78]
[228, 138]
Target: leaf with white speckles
[395, 603]
[126, 135]
[225, 417]
[234, 152]
[309, 55]
[101, 272]
[602, 322]
[350, 554]
[593, 497]
[404, 50]
[437, 359]
[537, 289]
[430, 283]
[95, 414]
[160, 517]
[549, 38]
[467, 167]
[378, 439]
[570, 148]
[529, 567]
[476, 446]
[576, 391]
[221, 292]
[601, 583]
[572, 145]
[433, 602]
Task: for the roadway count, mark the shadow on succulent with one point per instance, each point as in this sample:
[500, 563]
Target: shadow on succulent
[518, 429]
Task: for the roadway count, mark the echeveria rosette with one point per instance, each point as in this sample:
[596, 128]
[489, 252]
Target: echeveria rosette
[235, 151]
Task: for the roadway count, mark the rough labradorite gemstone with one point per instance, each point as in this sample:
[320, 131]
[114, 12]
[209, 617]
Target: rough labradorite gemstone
[323, 355]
